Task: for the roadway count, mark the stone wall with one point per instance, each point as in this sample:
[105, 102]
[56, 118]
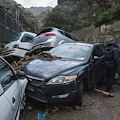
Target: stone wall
[87, 34]
[103, 34]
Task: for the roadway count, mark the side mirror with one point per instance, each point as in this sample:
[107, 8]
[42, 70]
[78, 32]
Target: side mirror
[1, 89]
[21, 74]
[95, 58]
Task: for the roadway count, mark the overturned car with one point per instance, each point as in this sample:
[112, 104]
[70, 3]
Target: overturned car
[79, 66]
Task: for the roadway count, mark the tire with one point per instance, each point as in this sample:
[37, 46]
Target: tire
[23, 102]
[78, 98]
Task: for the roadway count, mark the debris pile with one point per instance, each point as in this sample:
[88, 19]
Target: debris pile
[1, 46]
[17, 65]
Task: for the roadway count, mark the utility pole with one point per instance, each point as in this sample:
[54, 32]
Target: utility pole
[18, 19]
[16, 16]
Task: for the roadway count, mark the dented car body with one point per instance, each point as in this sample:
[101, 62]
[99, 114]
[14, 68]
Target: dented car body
[12, 91]
[57, 81]
[19, 45]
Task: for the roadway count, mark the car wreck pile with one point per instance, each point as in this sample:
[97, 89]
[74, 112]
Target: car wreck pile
[17, 65]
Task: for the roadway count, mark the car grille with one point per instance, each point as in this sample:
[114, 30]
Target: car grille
[37, 94]
[35, 82]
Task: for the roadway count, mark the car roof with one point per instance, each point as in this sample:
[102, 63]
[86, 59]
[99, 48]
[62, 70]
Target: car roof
[84, 43]
[29, 33]
[53, 28]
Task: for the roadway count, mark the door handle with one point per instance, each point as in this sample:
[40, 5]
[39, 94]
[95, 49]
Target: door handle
[13, 100]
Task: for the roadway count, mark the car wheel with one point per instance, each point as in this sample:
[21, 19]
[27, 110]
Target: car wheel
[78, 98]
[23, 102]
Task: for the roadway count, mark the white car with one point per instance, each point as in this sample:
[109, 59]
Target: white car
[19, 45]
[12, 91]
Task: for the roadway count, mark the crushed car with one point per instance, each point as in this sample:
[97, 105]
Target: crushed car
[62, 79]
[51, 37]
[18, 45]
[12, 91]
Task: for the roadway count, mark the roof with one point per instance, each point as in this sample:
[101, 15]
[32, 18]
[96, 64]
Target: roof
[29, 33]
[84, 43]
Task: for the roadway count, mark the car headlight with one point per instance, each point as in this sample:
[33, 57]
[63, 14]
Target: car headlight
[16, 46]
[61, 80]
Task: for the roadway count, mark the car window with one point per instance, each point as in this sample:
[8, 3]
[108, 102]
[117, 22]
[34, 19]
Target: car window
[102, 49]
[44, 31]
[68, 35]
[5, 75]
[61, 32]
[27, 38]
[16, 37]
[97, 51]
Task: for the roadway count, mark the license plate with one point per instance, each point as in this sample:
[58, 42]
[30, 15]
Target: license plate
[41, 45]
[31, 88]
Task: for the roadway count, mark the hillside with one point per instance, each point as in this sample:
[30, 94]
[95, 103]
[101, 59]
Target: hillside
[72, 15]
[38, 10]
[68, 15]
[28, 21]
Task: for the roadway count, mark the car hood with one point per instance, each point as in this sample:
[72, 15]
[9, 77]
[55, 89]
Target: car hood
[9, 46]
[49, 68]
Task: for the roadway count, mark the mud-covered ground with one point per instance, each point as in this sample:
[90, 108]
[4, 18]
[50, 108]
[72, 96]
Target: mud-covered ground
[96, 106]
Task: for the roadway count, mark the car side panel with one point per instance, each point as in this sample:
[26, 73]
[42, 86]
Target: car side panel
[13, 96]
[6, 111]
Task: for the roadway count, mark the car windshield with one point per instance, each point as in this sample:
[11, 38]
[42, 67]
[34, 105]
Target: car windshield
[16, 37]
[75, 52]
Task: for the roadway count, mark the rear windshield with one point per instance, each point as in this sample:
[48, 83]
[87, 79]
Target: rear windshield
[44, 31]
[16, 37]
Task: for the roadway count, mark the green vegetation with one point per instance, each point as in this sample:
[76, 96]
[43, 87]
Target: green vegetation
[72, 15]
[28, 21]
[68, 15]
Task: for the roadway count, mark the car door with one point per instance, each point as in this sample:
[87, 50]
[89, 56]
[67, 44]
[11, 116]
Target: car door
[102, 47]
[5, 107]
[26, 42]
[97, 64]
[10, 98]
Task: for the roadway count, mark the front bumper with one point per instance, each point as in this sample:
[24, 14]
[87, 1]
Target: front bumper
[14, 52]
[54, 94]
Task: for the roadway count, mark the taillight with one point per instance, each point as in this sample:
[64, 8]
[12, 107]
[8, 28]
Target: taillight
[33, 40]
[49, 34]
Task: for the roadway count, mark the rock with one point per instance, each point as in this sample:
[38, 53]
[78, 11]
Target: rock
[29, 107]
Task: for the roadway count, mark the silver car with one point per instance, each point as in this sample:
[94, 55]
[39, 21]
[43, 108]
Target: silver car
[19, 45]
[12, 91]
[51, 37]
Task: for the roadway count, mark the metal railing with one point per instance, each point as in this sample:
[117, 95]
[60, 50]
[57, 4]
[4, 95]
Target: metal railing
[8, 26]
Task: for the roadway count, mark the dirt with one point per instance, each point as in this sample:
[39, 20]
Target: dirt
[1, 46]
[96, 106]
[17, 65]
